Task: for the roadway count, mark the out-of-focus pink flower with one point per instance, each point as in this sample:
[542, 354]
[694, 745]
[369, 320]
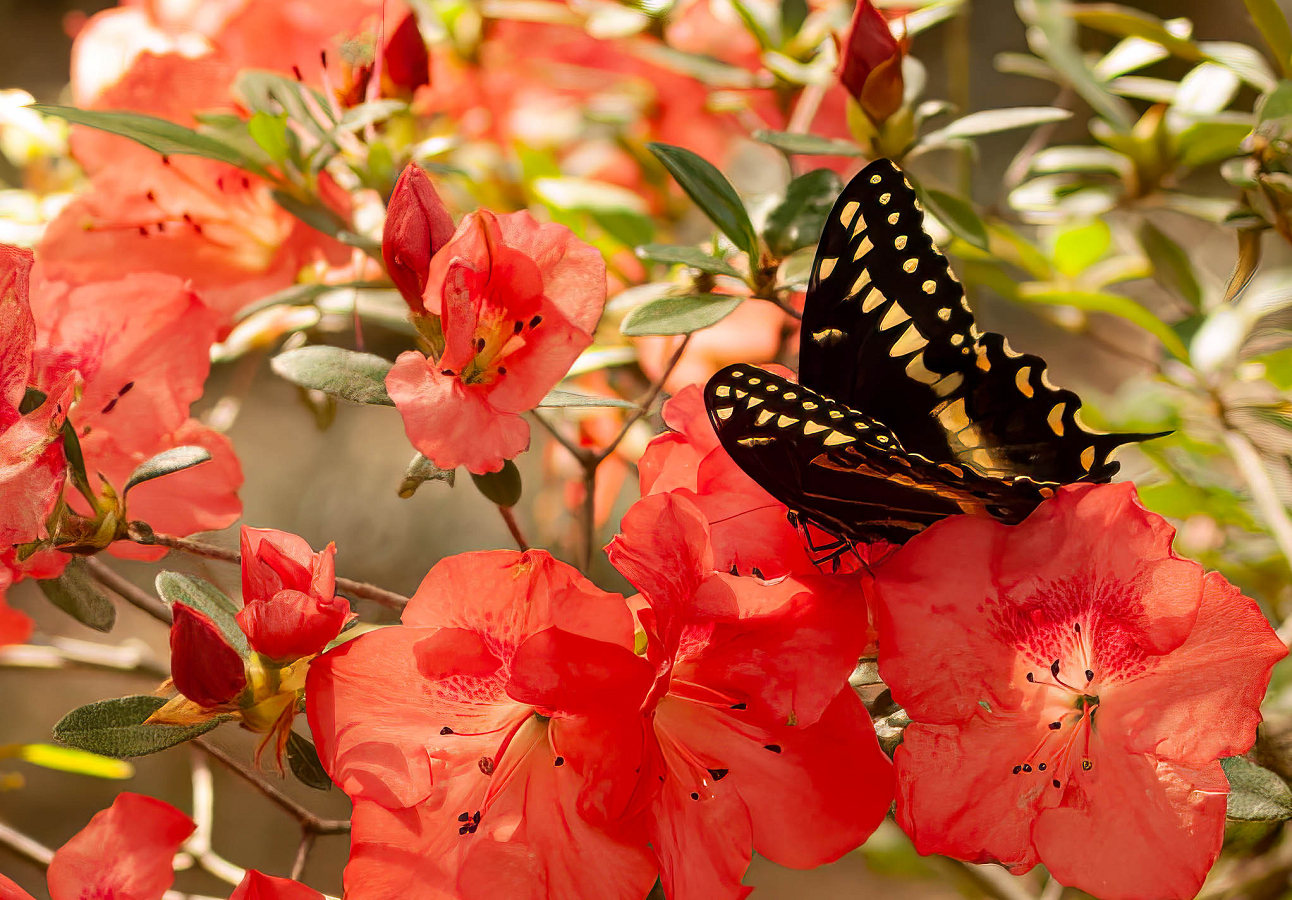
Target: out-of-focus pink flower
[518, 302]
[125, 852]
[1004, 643]
[752, 333]
[870, 64]
[255, 886]
[417, 226]
[15, 626]
[204, 665]
[290, 608]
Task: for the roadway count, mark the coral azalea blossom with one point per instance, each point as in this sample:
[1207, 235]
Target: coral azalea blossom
[1072, 684]
[290, 608]
[518, 301]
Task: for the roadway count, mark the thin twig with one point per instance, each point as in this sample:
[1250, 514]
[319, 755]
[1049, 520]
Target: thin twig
[309, 820]
[303, 853]
[589, 517]
[24, 846]
[128, 590]
[579, 453]
[645, 403]
[224, 554]
[197, 849]
[66, 653]
[1264, 494]
[513, 526]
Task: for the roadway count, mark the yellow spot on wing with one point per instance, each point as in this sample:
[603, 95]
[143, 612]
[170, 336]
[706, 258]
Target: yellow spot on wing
[813, 427]
[722, 391]
[849, 210]
[909, 342]
[1055, 419]
[1023, 379]
[838, 437]
[900, 242]
[1088, 457]
[826, 267]
[754, 401]
[764, 417]
[929, 287]
[862, 249]
[785, 422]
[894, 317]
[724, 413]
[917, 371]
[911, 265]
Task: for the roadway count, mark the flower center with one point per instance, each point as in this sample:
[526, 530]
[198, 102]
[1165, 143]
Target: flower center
[1066, 741]
[495, 339]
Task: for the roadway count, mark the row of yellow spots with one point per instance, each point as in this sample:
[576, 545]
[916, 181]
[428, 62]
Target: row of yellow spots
[810, 427]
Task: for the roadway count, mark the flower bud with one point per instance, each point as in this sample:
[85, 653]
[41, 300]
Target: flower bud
[417, 225]
[293, 624]
[407, 64]
[204, 666]
[871, 63]
[274, 561]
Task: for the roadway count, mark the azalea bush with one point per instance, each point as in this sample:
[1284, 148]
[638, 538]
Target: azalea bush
[524, 235]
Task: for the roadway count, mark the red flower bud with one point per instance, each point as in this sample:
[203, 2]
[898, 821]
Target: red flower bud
[407, 64]
[274, 561]
[292, 624]
[204, 666]
[417, 225]
[871, 64]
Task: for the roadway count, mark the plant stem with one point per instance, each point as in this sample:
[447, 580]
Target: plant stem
[1264, 495]
[513, 526]
[308, 820]
[224, 554]
[589, 517]
[303, 853]
[24, 846]
[128, 591]
[645, 403]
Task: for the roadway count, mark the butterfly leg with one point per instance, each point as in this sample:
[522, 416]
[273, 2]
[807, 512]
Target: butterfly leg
[830, 552]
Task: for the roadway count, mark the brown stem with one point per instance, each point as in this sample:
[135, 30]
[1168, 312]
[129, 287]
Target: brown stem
[24, 846]
[589, 517]
[224, 554]
[128, 591]
[513, 526]
[310, 822]
[303, 853]
[645, 403]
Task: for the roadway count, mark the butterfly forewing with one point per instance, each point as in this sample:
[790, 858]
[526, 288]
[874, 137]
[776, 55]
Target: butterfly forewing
[887, 332]
[841, 470]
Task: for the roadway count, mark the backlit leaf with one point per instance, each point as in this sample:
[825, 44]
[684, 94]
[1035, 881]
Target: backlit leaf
[348, 374]
[711, 192]
[502, 487]
[680, 314]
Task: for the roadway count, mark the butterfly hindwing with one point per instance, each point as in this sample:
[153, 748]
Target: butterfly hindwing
[842, 471]
[888, 332]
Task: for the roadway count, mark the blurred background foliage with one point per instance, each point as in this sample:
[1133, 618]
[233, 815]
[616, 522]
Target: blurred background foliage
[1112, 182]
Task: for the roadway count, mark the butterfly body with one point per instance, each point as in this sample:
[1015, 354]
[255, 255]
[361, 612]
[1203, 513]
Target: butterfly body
[904, 412]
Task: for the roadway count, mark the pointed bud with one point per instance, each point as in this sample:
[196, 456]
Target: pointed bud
[871, 63]
[204, 666]
[417, 225]
[407, 64]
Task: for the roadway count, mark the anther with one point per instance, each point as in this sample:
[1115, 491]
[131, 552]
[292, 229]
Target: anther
[533, 323]
[741, 706]
[246, 183]
[323, 58]
[1055, 782]
[480, 344]
[559, 761]
[502, 370]
[143, 231]
[464, 817]
[449, 372]
[1027, 768]
[518, 327]
[126, 388]
[1017, 769]
[1055, 726]
[1040, 767]
[758, 573]
[1054, 668]
[1077, 627]
[734, 570]
[296, 71]
[110, 406]
[1030, 677]
[775, 748]
[694, 795]
[486, 765]
[152, 197]
[1086, 765]
[464, 829]
[165, 160]
[476, 817]
[1090, 676]
[446, 730]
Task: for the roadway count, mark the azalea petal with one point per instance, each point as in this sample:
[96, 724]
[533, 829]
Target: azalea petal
[17, 327]
[957, 794]
[33, 466]
[292, 624]
[569, 674]
[257, 886]
[1202, 701]
[509, 596]
[1147, 829]
[124, 852]
[15, 626]
[273, 560]
[619, 762]
[10, 891]
[451, 423]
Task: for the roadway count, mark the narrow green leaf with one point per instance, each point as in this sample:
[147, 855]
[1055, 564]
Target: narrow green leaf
[1278, 368]
[369, 113]
[688, 256]
[1127, 22]
[168, 462]
[305, 763]
[420, 471]
[1273, 26]
[1206, 90]
[680, 314]
[587, 194]
[1212, 139]
[348, 374]
[206, 598]
[957, 215]
[991, 121]
[312, 213]
[78, 595]
[304, 294]
[1077, 249]
[797, 221]
[807, 144]
[1113, 304]
[32, 398]
[557, 399]
[628, 228]
[78, 762]
[711, 192]
[156, 134]
[502, 487]
[270, 134]
[1255, 794]
[1172, 268]
[116, 728]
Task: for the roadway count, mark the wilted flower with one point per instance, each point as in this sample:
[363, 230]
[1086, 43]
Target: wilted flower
[1073, 684]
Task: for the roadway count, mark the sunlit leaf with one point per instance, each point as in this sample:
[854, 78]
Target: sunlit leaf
[688, 256]
[557, 399]
[370, 113]
[807, 144]
[990, 121]
[1278, 368]
[1128, 22]
[957, 215]
[711, 192]
[1113, 304]
[1076, 249]
[587, 194]
[1171, 265]
[270, 134]
[116, 728]
[348, 374]
[1130, 54]
[1206, 90]
[77, 762]
[680, 314]
[797, 221]
[176, 459]
[1273, 26]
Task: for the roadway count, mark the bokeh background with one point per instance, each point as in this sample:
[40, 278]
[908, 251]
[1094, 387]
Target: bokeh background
[339, 484]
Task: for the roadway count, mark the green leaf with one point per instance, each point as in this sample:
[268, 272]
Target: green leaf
[206, 598]
[1182, 501]
[78, 595]
[957, 215]
[270, 134]
[304, 294]
[1130, 55]
[688, 256]
[502, 487]
[313, 213]
[1278, 368]
[348, 374]
[680, 314]
[991, 121]
[711, 191]
[797, 221]
[807, 144]
[1255, 794]
[1128, 22]
[305, 763]
[1172, 268]
[266, 91]
[78, 762]
[1113, 304]
[628, 228]
[1206, 90]
[168, 462]
[420, 471]
[558, 399]
[587, 194]
[1076, 249]
[116, 728]
[369, 113]
[1273, 26]
[156, 134]
[1212, 139]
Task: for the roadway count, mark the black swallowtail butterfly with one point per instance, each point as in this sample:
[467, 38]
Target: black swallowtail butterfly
[904, 412]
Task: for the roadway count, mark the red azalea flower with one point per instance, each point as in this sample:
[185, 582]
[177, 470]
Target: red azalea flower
[255, 886]
[518, 302]
[1072, 683]
[290, 608]
[125, 852]
[761, 740]
[417, 226]
[464, 786]
[15, 627]
[870, 64]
